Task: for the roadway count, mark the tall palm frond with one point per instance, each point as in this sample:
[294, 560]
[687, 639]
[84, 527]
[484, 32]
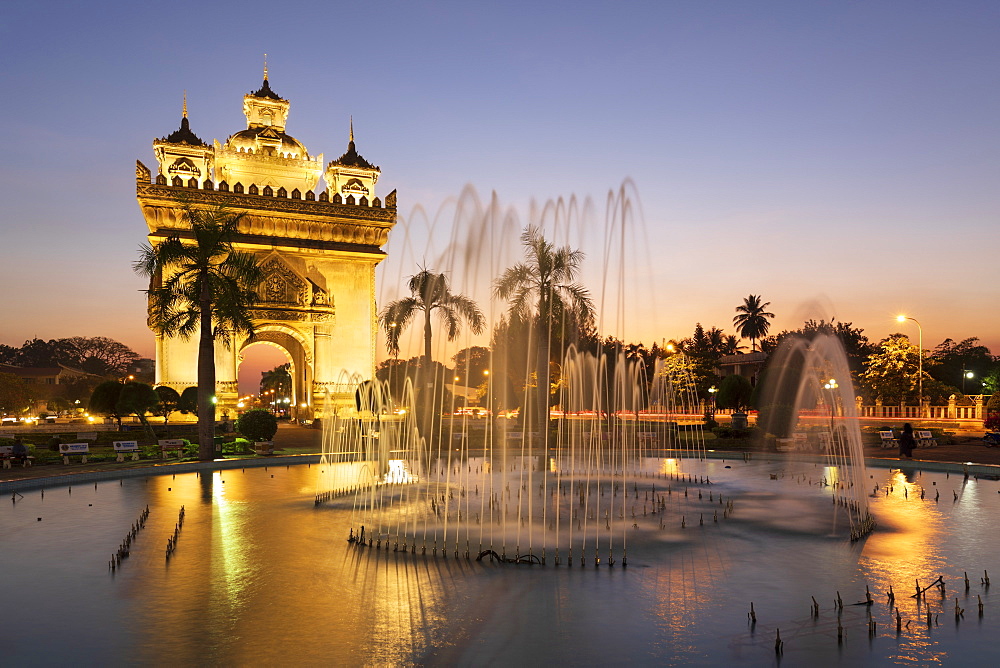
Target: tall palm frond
[751, 319]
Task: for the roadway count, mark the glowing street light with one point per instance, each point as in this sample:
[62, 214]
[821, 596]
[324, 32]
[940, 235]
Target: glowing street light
[831, 385]
[966, 374]
[920, 362]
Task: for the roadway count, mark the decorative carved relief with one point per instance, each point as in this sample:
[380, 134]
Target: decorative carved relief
[354, 186]
[281, 285]
[142, 173]
[276, 314]
[292, 315]
[184, 166]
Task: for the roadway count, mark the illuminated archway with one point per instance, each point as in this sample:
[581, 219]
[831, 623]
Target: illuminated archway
[296, 350]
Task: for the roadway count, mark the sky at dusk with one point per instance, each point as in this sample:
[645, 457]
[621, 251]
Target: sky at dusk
[839, 159]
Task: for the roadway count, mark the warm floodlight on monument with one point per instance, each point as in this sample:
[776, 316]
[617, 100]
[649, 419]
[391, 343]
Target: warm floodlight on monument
[317, 229]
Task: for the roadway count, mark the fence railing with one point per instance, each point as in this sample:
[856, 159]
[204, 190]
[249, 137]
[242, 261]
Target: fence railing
[951, 411]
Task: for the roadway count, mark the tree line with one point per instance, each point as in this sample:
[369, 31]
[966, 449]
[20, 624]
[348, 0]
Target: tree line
[548, 312]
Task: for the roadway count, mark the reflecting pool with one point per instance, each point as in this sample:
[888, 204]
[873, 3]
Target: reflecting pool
[260, 575]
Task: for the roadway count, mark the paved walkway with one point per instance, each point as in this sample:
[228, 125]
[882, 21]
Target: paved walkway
[293, 441]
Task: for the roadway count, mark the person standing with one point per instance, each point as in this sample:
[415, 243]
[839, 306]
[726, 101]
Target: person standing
[907, 442]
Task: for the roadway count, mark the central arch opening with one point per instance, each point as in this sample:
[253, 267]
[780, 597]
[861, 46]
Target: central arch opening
[256, 360]
[274, 373]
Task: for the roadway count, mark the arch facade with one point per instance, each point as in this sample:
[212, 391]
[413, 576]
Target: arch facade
[317, 299]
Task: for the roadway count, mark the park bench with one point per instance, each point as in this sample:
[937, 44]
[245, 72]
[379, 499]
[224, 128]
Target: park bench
[647, 437]
[800, 441]
[888, 439]
[263, 447]
[123, 448]
[87, 436]
[8, 457]
[168, 445]
[925, 439]
[68, 450]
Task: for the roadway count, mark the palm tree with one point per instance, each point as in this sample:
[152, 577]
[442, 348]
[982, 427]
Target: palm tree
[430, 293]
[541, 289]
[731, 345]
[200, 283]
[751, 319]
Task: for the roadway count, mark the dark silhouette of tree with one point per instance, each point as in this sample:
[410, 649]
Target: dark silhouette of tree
[137, 399]
[430, 294]
[189, 400]
[201, 284]
[542, 290]
[15, 395]
[731, 345]
[104, 401]
[169, 401]
[954, 359]
[856, 345]
[751, 319]
[734, 392]
[278, 379]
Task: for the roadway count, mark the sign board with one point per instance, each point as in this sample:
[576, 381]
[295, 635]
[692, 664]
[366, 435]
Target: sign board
[171, 443]
[6, 450]
[126, 446]
[74, 448]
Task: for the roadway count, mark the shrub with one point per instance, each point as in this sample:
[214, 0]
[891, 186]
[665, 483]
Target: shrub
[257, 425]
[992, 421]
[734, 392]
[239, 446]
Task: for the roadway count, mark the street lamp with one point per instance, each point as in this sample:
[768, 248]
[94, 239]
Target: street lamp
[920, 361]
[393, 326]
[966, 374]
[830, 386]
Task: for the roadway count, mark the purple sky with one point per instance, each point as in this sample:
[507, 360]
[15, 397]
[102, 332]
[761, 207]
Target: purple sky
[844, 155]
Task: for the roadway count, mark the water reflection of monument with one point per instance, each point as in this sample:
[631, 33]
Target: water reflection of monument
[319, 249]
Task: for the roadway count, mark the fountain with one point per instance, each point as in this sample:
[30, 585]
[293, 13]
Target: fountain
[575, 490]
[574, 495]
[803, 397]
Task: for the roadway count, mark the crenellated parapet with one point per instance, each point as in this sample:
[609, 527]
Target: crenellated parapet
[269, 212]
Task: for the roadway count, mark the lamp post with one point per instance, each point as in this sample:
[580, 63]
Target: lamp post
[920, 362]
[831, 385]
[966, 374]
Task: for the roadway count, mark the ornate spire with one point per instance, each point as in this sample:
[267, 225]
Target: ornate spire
[351, 158]
[183, 135]
[265, 67]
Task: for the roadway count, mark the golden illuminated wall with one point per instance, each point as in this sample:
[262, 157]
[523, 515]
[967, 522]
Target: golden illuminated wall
[318, 295]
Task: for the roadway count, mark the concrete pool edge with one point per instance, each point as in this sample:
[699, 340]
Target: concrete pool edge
[10, 486]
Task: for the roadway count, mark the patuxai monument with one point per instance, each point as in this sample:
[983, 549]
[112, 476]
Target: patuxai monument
[318, 243]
